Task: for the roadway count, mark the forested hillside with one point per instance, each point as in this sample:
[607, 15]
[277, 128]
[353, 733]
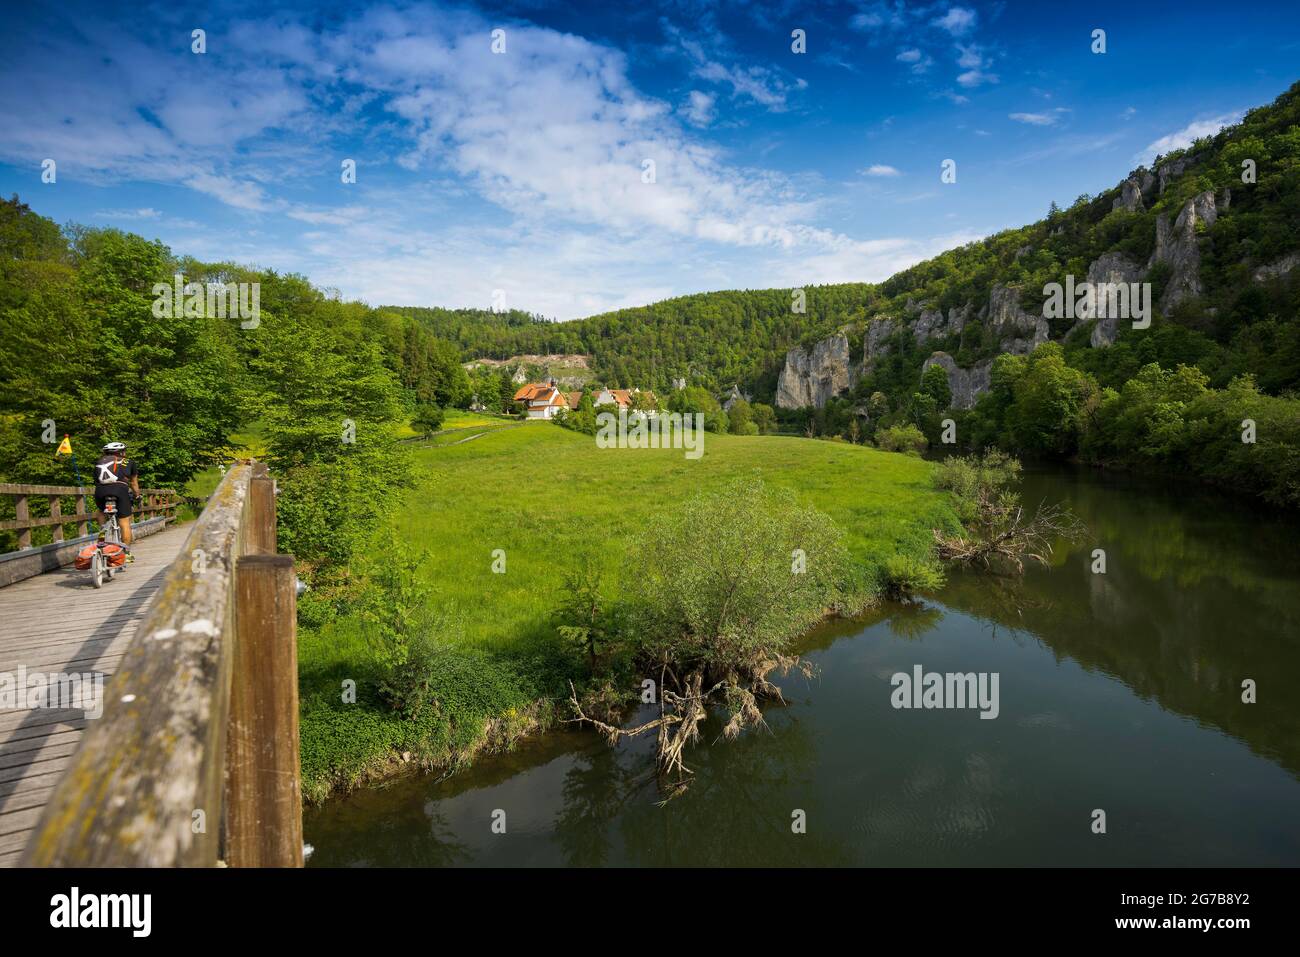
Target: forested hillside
[1242, 317]
[713, 339]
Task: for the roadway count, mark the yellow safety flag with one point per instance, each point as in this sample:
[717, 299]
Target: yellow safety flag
[65, 447]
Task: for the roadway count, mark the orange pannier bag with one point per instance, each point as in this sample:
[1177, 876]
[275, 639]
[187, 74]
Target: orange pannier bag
[115, 554]
[82, 561]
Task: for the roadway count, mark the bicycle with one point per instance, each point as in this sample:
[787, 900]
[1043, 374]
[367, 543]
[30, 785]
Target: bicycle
[102, 566]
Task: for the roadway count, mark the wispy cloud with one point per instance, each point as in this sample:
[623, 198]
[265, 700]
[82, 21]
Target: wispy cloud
[880, 169]
[1193, 131]
[1049, 118]
[958, 21]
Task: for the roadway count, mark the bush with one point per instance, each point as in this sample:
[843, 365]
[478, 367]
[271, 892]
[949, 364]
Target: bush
[905, 575]
[907, 439]
[736, 576]
[427, 418]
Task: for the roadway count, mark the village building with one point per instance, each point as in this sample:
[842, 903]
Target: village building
[542, 400]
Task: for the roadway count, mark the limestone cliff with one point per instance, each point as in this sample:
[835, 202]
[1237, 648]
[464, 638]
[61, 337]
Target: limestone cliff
[810, 378]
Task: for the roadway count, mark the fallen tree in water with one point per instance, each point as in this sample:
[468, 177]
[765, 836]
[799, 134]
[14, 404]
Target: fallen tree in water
[997, 530]
[725, 587]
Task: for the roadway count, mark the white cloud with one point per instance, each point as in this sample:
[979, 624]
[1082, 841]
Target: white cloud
[699, 108]
[529, 165]
[764, 86]
[974, 78]
[957, 21]
[919, 62]
[146, 213]
[1034, 119]
[1193, 131]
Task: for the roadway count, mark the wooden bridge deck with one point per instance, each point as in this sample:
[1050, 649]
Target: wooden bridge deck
[58, 622]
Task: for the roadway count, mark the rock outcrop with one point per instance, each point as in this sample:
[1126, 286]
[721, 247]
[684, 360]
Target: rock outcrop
[811, 378]
[734, 396]
[1018, 331]
[1130, 195]
[1167, 171]
[1279, 268]
[1110, 268]
[1177, 245]
[966, 385]
[878, 331]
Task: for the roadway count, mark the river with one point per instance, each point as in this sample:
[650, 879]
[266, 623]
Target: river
[1118, 692]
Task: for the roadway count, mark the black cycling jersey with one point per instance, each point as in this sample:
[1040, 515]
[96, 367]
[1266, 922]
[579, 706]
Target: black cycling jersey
[114, 470]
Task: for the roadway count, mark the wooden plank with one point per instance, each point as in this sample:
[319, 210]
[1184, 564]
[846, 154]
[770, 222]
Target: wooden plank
[34, 728]
[38, 765]
[19, 822]
[263, 793]
[157, 754]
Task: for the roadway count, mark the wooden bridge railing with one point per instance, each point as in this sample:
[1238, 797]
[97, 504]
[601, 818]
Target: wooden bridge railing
[153, 501]
[195, 759]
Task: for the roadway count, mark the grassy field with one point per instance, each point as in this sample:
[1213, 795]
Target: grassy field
[545, 496]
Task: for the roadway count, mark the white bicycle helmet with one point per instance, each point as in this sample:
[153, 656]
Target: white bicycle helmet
[115, 447]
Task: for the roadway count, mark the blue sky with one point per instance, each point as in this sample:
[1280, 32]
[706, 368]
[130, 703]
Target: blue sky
[522, 171]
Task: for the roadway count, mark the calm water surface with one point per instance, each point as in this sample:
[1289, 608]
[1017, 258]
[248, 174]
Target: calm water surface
[1119, 691]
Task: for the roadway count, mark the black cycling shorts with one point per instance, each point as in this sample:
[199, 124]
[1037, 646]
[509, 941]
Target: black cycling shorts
[121, 492]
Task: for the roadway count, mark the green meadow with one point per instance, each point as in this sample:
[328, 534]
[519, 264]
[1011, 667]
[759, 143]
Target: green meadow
[534, 500]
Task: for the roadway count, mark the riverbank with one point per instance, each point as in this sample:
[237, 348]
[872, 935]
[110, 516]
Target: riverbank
[503, 520]
[1119, 690]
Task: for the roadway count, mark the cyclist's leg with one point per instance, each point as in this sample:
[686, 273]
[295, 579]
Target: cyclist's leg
[125, 524]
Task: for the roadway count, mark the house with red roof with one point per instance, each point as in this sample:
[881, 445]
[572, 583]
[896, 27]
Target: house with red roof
[542, 400]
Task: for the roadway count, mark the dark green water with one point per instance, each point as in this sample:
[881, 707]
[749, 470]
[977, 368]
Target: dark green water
[1119, 692]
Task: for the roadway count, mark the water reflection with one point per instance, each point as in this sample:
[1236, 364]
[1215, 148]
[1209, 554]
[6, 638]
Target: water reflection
[1119, 690]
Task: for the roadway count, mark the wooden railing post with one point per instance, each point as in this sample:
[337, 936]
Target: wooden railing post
[56, 511]
[259, 525]
[83, 518]
[21, 515]
[263, 790]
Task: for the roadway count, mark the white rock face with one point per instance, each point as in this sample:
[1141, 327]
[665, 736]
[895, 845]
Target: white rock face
[878, 330]
[1019, 332]
[1110, 268]
[810, 379]
[1130, 195]
[966, 385]
[1279, 268]
[1177, 245]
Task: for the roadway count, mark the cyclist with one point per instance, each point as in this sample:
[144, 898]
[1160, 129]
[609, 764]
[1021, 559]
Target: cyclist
[117, 477]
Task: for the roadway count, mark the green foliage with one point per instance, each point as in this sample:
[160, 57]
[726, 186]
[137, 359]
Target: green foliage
[740, 419]
[694, 399]
[907, 575]
[83, 348]
[973, 479]
[427, 418]
[902, 438]
[934, 383]
[735, 575]
[764, 416]
[1049, 400]
[585, 619]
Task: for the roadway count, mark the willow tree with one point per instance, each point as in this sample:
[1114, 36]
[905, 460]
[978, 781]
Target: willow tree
[726, 585]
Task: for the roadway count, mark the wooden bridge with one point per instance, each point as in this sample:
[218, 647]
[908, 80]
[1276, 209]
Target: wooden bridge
[153, 722]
